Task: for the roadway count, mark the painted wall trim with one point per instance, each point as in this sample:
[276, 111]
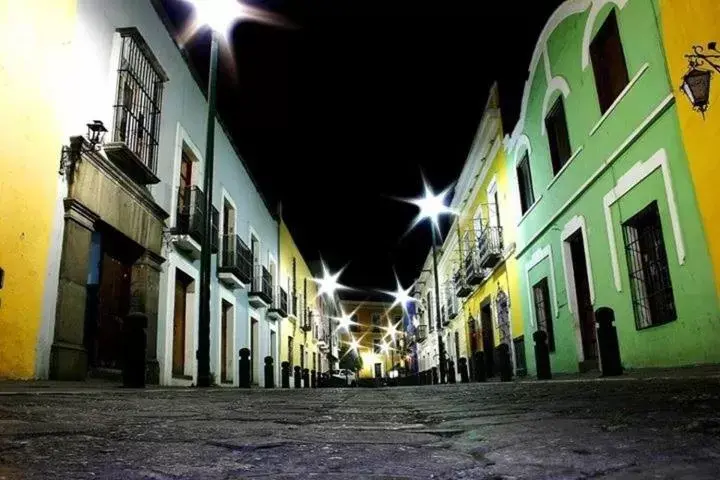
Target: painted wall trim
[527, 212]
[619, 98]
[537, 257]
[564, 167]
[649, 120]
[633, 177]
[555, 84]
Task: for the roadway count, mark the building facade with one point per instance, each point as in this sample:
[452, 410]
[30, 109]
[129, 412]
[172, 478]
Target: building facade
[685, 25]
[608, 215]
[118, 231]
[372, 327]
[302, 339]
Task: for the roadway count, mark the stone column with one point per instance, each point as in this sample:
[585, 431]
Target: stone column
[144, 298]
[68, 356]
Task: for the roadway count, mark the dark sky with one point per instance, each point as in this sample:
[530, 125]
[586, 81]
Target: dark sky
[342, 112]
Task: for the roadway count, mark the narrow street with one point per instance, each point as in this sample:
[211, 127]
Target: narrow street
[624, 428]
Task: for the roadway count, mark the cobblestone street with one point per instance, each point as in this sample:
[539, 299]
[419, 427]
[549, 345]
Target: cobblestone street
[651, 428]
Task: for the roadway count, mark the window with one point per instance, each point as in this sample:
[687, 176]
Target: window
[527, 196]
[228, 218]
[542, 311]
[376, 322]
[652, 294]
[608, 59]
[557, 131]
[376, 345]
[138, 98]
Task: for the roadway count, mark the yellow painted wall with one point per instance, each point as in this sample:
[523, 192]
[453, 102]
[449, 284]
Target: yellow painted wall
[365, 335]
[288, 251]
[684, 24]
[506, 275]
[35, 42]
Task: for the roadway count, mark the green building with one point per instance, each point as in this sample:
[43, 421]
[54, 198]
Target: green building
[607, 215]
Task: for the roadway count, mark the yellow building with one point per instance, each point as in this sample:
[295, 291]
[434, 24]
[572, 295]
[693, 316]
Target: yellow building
[35, 46]
[301, 331]
[684, 25]
[371, 328]
[485, 276]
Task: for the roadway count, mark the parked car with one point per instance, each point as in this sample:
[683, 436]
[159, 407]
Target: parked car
[343, 378]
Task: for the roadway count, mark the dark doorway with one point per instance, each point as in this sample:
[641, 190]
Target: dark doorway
[585, 312]
[488, 338]
[226, 342]
[182, 289]
[118, 253]
[378, 370]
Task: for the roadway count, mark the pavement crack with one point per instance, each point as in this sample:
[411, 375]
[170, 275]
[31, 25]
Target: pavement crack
[246, 448]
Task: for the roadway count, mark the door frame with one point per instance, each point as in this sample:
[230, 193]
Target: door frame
[228, 297]
[572, 227]
[488, 303]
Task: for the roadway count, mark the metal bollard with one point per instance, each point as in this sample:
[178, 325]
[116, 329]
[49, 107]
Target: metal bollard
[269, 372]
[244, 368]
[306, 378]
[134, 348]
[285, 373]
[542, 355]
[610, 361]
[479, 366]
[435, 379]
[451, 371]
[462, 366]
[298, 376]
[504, 362]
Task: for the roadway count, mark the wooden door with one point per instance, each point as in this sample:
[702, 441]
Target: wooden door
[488, 339]
[586, 316]
[224, 340]
[182, 282]
[113, 306]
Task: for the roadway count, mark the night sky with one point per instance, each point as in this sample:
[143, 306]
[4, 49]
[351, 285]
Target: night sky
[342, 112]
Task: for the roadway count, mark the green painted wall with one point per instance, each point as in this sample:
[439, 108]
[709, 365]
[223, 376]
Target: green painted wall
[692, 337]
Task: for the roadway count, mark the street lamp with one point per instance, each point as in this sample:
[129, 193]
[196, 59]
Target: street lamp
[432, 206]
[696, 82]
[328, 286]
[219, 16]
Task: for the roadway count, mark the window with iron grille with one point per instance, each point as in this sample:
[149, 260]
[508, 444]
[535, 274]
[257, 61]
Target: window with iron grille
[650, 285]
[138, 99]
[543, 315]
[527, 195]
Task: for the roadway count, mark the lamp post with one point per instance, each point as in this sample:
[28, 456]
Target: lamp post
[219, 16]
[696, 82]
[431, 206]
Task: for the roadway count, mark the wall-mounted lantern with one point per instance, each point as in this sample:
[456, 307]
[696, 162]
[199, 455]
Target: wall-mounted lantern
[696, 82]
[71, 154]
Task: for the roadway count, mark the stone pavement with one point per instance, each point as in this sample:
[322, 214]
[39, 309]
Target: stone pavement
[617, 429]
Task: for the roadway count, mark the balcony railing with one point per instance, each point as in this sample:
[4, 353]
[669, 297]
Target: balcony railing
[280, 303]
[462, 289]
[236, 258]
[451, 301]
[421, 332]
[490, 246]
[191, 215]
[262, 284]
[308, 321]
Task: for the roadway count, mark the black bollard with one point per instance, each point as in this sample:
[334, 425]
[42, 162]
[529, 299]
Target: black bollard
[298, 376]
[435, 379]
[269, 372]
[244, 368]
[542, 356]
[479, 366]
[313, 379]
[462, 366]
[451, 371]
[608, 344]
[134, 347]
[504, 362]
[285, 373]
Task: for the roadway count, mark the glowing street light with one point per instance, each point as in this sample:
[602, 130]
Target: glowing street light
[329, 283]
[354, 345]
[432, 206]
[401, 296]
[219, 16]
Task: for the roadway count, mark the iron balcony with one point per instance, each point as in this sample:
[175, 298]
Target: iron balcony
[306, 325]
[279, 309]
[490, 246]
[188, 230]
[462, 289]
[261, 292]
[235, 265]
